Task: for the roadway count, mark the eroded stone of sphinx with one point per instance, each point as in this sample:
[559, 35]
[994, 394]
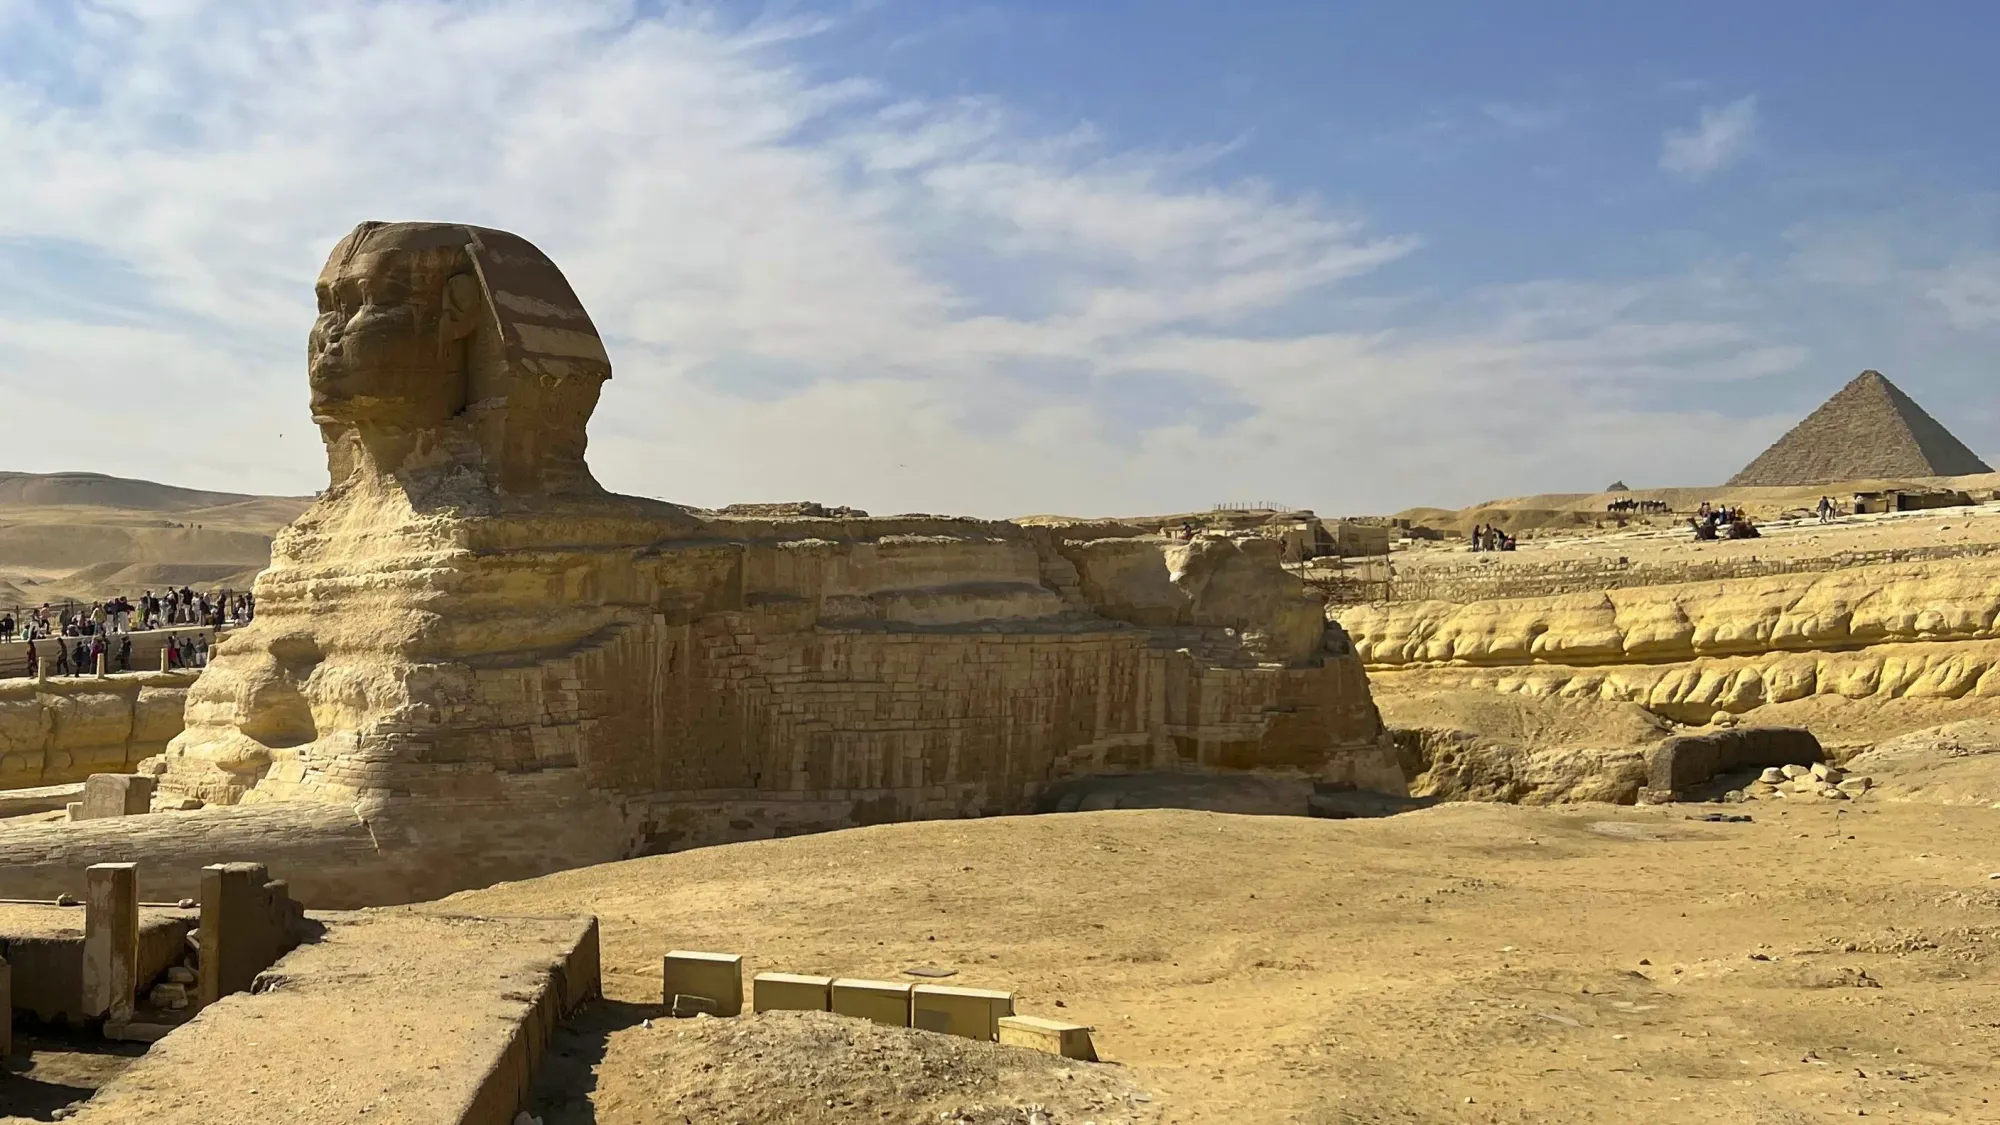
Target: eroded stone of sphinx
[502, 669]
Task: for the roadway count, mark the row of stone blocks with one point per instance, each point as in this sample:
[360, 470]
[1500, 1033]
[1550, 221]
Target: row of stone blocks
[694, 983]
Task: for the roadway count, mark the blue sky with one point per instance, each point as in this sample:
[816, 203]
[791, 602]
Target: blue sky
[1033, 256]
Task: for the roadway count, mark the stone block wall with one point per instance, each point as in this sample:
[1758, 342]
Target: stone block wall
[64, 730]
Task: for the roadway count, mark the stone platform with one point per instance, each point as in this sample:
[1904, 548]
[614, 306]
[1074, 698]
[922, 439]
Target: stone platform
[390, 1017]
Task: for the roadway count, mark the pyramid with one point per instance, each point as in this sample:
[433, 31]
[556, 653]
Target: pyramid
[1869, 430]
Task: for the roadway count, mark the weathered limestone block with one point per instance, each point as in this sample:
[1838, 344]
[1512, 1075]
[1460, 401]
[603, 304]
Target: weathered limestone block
[248, 921]
[714, 977]
[790, 992]
[116, 794]
[884, 1002]
[973, 1013]
[1070, 1040]
[111, 940]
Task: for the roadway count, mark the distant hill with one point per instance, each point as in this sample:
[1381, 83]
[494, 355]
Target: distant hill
[87, 535]
[100, 491]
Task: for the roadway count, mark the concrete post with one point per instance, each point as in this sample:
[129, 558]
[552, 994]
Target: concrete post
[163, 657]
[100, 665]
[41, 665]
[110, 940]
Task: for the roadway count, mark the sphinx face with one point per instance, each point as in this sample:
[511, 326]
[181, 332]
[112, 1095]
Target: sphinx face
[388, 347]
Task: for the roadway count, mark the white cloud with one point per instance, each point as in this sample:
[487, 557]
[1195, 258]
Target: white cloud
[811, 288]
[1969, 292]
[1723, 136]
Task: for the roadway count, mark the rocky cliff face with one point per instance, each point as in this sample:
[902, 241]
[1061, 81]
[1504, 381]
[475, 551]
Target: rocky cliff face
[1905, 632]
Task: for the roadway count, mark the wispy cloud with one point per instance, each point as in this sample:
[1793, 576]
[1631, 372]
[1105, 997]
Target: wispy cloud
[1723, 136]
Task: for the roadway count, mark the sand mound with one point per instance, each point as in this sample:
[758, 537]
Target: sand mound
[97, 490]
[813, 1066]
[159, 576]
[83, 536]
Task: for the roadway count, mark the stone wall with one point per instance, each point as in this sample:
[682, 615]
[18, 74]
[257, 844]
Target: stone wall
[63, 730]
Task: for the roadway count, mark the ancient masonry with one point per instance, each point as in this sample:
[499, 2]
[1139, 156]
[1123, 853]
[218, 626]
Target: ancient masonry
[1869, 430]
[471, 663]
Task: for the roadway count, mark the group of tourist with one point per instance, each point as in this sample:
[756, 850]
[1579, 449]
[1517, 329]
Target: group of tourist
[1827, 509]
[1490, 538]
[80, 656]
[173, 608]
[1720, 521]
[85, 636]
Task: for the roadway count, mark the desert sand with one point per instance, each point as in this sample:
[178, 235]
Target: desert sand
[86, 536]
[1467, 962]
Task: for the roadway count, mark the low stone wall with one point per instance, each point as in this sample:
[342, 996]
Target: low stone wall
[1682, 763]
[64, 729]
[469, 1004]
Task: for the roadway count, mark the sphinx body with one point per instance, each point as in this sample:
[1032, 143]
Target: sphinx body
[499, 669]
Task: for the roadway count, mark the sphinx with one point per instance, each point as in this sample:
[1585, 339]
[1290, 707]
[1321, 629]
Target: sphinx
[472, 663]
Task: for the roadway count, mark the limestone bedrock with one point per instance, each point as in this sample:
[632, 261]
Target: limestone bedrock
[504, 669]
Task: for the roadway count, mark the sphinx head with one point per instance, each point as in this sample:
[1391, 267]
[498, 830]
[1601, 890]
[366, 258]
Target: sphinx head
[388, 350]
[434, 329]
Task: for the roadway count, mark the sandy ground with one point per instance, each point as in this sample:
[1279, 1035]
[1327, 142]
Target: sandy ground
[51, 1070]
[1465, 963]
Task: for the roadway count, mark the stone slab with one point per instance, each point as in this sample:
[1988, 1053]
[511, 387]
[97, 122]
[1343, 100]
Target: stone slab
[1070, 1040]
[884, 1002]
[39, 799]
[973, 1013]
[790, 992]
[116, 794]
[391, 1016]
[716, 977]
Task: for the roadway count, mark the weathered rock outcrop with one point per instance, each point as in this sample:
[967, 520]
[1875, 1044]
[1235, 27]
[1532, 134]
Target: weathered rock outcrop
[502, 669]
[65, 729]
[1956, 600]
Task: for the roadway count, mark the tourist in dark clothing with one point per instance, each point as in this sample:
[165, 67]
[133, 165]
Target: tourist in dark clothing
[78, 657]
[33, 659]
[125, 654]
[62, 658]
